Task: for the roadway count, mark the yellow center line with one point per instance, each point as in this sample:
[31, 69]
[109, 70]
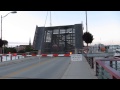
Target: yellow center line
[24, 69]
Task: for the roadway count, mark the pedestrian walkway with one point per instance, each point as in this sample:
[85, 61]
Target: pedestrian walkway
[79, 70]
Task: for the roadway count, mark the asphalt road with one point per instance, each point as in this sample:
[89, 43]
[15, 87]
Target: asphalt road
[43, 68]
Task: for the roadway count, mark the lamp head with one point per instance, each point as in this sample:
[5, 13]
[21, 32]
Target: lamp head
[13, 12]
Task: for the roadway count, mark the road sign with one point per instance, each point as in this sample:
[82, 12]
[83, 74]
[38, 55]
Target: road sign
[76, 57]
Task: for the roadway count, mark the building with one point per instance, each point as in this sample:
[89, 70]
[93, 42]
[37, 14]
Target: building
[58, 39]
[22, 47]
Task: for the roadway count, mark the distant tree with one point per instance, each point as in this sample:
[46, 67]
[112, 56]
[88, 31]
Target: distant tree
[5, 42]
[21, 51]
[5, 50]
[88, 38]
[1, 44]
[13, 50]
[10, 49]
[28, 48]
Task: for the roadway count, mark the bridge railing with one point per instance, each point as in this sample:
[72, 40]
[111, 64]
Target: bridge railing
[107, 68]
[90, 61]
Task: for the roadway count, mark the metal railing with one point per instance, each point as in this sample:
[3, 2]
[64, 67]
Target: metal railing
[107, 68]
[90, 61]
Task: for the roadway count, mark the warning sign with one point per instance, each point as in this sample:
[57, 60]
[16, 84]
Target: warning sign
[76, 57]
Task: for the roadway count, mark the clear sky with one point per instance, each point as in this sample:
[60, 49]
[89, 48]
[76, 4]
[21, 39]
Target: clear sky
[19, 27]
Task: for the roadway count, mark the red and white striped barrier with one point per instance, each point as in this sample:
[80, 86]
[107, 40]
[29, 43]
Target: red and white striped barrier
[43, 55]
[54, 55]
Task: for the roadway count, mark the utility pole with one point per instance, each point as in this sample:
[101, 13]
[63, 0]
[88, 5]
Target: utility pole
[50, 20]
[86, 22]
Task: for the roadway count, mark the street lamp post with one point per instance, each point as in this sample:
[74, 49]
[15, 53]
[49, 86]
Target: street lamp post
[1, 23]
[1, 38]
[2, 18]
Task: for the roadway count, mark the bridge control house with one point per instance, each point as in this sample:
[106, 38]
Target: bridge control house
[58, 39]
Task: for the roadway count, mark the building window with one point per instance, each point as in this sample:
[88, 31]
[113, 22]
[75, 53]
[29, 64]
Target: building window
[62, 31]
[56, 31]
[47, 36]
[69, 30]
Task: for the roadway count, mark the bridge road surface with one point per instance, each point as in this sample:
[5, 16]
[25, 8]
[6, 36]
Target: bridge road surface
[43, 68]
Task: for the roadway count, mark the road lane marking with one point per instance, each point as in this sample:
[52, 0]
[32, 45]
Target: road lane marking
[25, 69]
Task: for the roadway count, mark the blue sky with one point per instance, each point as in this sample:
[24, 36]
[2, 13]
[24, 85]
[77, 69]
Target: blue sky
[19, 27]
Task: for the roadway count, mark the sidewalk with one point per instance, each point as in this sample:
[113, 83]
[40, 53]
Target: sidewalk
[79, 70]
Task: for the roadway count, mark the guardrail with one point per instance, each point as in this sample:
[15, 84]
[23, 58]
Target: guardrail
[90, 61]
[98, 54]
[105, 70]
[10, 57]
[14, 56]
